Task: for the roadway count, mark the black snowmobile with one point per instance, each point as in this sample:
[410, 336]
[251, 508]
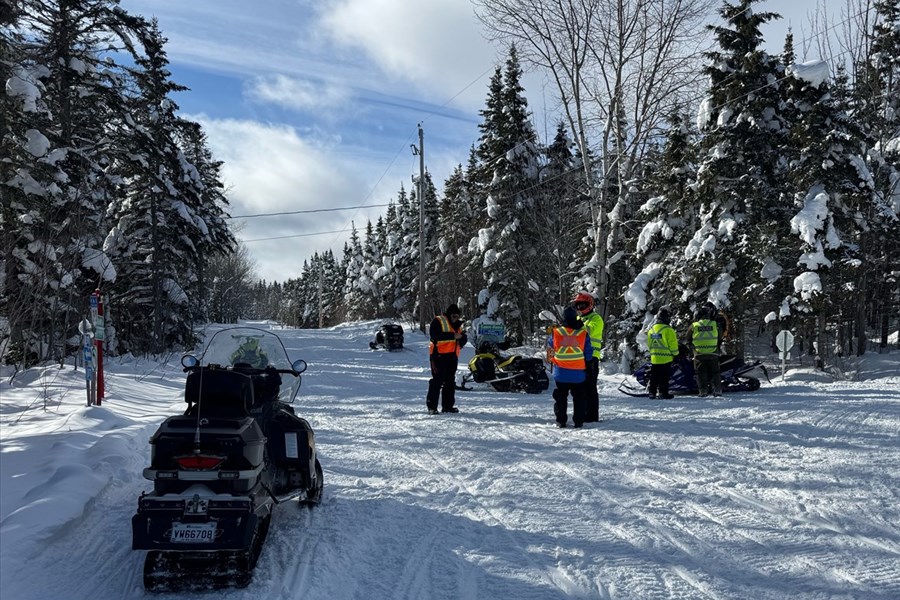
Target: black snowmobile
[389, 337]
[734, 373]
[513, 373]
[220, 469]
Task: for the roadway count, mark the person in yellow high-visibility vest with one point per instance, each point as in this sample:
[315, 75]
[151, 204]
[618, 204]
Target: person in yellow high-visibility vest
[446, 340]
[570, 346]
[705, 340]
[593, 324]
[663, 344]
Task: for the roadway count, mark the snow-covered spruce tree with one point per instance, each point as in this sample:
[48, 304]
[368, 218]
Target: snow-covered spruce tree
[29, 190]
[432, 281]
[453, 234]
[367, 281]
[332, 298]
[509, 197]
[208, 209]
[669, 218]
[878, 93]
[66, 77]
[405, 257]
[154, 222]
[832, 186]
[470, 252]
[356, 297]
[389, 241]
[740, 177]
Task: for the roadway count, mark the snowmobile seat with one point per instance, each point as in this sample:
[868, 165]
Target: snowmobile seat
[226, 394]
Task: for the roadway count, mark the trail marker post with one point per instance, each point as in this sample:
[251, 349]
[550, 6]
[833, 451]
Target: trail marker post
[785, 341]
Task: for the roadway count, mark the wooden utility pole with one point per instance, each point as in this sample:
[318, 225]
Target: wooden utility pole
[421, 229]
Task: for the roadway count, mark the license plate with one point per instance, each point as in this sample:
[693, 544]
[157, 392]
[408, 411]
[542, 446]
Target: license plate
[189, 533]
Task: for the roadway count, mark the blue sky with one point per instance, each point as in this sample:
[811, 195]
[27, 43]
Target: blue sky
[313, 104]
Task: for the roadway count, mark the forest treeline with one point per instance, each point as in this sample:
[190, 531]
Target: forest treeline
[688, 165]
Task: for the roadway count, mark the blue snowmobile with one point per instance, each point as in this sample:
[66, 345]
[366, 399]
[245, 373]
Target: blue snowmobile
[734, 372]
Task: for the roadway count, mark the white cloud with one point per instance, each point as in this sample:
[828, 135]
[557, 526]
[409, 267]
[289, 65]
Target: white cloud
[436, 45]
[272, 168]
[298, 94]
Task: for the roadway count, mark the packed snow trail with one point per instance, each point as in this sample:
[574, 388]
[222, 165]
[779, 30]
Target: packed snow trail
[788, 492]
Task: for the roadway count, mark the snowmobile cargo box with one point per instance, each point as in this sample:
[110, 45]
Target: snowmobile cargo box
[227, 427]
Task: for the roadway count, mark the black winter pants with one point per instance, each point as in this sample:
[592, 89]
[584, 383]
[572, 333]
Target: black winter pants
[442, 382]
[659, 379]
[560, 402]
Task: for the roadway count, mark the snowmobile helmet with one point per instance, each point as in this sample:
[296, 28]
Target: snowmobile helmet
[570, 318]
[663, 316]
[584, 303]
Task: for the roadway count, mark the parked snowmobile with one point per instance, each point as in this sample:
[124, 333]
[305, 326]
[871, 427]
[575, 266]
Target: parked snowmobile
[512, 373]
[219, 469]
[389, 337]
[734, 372]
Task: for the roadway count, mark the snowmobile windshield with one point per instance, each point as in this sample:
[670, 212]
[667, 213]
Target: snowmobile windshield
[256, 347]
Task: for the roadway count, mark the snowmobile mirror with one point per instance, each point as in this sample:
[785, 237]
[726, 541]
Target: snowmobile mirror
[189, 361]
[299, 365]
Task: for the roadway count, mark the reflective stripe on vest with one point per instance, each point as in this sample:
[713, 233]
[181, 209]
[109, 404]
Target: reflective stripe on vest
[593, 322]
[445, 346]
[656, 341]
[568, 348]
[705, 336]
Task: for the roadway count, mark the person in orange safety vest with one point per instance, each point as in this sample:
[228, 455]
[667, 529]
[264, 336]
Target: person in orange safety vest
[572, 348]
[447, 338]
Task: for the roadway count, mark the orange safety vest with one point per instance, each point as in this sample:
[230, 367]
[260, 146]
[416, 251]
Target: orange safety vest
[568, 348]
[445, 346]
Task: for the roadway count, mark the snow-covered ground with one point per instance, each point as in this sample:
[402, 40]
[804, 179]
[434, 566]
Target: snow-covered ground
[789, 492]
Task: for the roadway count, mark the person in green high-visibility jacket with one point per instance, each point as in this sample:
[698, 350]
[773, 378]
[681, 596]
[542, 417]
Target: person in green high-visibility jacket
[593, 323]
[705, 340]
[663, 344]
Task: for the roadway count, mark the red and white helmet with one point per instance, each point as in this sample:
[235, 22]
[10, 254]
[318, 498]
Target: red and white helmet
[583, 302]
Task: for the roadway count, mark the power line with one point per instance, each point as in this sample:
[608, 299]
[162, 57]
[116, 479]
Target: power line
[299, 212]
[285, 237]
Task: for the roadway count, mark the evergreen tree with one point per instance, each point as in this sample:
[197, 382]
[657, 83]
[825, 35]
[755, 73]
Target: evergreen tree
[155, 220]
[64, 96]
[508, 148]
[669, 218]
[355, 296]
[831, 188]
[741, 172]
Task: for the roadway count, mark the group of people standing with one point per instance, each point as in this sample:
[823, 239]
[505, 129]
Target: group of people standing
[574, 351]
[704, 338]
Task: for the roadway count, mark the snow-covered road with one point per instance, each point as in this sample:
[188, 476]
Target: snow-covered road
[789, 492]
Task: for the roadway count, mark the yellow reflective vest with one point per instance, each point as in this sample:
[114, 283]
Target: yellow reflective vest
[705, 336]
[663, 343]
[593, 323]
